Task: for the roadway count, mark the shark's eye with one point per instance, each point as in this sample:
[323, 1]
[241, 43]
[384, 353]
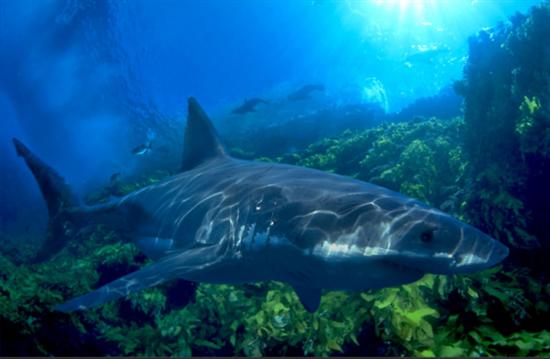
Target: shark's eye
[427, 236]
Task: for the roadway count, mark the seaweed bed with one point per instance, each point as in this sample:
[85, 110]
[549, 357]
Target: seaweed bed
[489, 167]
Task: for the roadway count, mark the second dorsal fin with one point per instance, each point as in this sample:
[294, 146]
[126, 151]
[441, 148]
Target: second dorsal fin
[200, 142]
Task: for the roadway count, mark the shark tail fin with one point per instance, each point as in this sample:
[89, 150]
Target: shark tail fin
[59, 200]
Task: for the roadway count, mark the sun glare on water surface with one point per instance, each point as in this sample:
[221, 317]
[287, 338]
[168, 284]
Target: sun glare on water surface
[402, 8]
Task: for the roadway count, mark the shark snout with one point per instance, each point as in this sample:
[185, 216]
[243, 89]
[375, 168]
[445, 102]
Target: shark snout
[500, 252]
[474, 251]
[477, 251]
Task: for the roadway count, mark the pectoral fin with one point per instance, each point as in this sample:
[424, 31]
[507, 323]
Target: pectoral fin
[180, 265]
[154, 247]
[309, 297]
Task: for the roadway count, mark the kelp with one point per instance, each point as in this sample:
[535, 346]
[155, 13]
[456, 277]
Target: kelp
[506, 88]
[422, 159]
[459, 316]
[492, 313]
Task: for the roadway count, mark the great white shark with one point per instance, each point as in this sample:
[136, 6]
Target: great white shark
[225, 220]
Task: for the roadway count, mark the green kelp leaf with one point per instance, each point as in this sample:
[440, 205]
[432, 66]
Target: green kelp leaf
[426, 353]
[370, 297]
[524, 346]
[451, 351]
[440, 282]
[497, 294]
[316, 324]
[491, 335]
[472, 293]
[259, 318]
[279, 307]
[428, 281]
[184, 350]
[475, 336]
[206, 343]
[332, 344]
[251, 347]
[416, 316]
[426, 328]
[545, 337]
[381, 304]
[271, 295]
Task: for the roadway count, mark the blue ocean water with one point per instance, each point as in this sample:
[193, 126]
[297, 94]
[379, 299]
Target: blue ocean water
[81, 80]
[98, 89]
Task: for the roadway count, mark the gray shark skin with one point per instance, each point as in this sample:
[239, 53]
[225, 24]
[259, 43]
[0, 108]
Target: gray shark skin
[304, 92]
[248, 106]
[224, 220]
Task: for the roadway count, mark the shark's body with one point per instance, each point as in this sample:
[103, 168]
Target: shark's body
[426, 56]
[223, 220]
[248, 106]
[304, 92]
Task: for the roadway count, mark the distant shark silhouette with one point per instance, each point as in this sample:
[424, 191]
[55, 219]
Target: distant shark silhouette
[224, 220]
[248, 106]
[426, 56]
[304, 92]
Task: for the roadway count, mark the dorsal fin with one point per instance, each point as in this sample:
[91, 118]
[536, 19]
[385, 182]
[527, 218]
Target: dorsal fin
[200, 142]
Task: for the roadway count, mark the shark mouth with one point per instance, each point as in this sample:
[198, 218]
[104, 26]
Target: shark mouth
[419, 265]
[410, 272]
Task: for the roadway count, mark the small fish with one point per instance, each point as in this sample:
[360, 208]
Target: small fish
[424, 56]
[304, 92]
[142, 149]
[248, 106]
